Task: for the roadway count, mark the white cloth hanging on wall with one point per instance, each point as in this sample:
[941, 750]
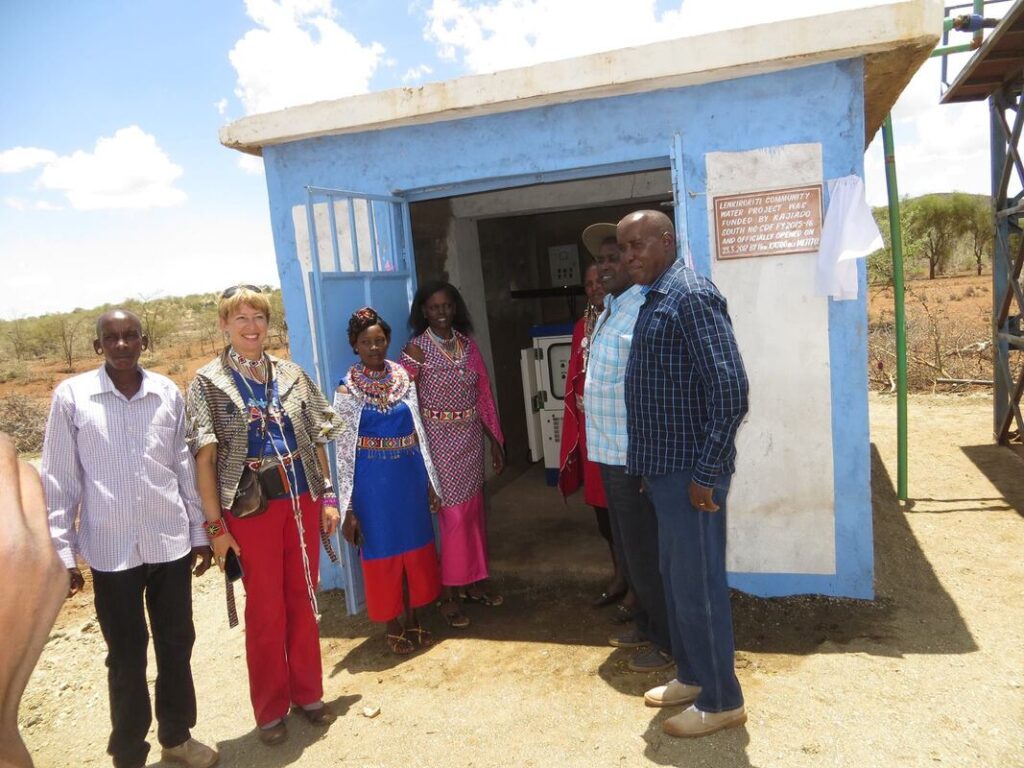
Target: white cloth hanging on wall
[849, 233]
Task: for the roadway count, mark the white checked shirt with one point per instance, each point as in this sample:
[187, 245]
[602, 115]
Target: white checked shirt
[120, 468]
[604, 397]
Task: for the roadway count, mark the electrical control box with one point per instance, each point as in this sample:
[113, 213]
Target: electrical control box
[564, 261]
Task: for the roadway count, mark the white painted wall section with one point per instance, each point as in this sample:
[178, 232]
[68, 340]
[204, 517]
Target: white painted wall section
[782, 502]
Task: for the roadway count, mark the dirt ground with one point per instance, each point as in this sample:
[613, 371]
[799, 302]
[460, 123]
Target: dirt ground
[930, 673]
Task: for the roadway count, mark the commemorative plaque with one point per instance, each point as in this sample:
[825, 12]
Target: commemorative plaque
[768, 223]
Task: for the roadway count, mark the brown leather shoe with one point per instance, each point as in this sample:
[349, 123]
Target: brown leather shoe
[322, 715]
[274, 735]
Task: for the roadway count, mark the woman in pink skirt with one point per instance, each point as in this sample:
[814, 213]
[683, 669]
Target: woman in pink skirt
[458, 413]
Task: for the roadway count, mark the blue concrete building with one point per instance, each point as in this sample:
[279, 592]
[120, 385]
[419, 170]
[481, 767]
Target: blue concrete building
[477, 178]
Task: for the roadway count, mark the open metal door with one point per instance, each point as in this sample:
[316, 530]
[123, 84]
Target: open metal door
[679, 201]
[361, 253]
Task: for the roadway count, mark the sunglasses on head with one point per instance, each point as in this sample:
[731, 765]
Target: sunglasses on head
[229, 292]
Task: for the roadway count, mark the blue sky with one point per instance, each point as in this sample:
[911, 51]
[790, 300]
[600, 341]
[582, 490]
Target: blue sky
[112, 181]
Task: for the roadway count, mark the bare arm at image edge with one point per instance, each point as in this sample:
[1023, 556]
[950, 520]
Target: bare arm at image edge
[27, 556]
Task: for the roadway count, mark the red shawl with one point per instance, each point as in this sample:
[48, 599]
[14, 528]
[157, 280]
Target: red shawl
[574, 467]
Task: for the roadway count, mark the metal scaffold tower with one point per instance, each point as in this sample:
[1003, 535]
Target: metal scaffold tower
[996, 73]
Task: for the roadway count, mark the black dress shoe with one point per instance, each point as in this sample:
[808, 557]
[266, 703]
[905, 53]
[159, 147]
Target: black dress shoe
[607, 598]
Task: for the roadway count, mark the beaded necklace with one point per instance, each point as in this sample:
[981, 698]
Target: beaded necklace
[253, 369]
[381, 390]
[590, 319]
[450, 348]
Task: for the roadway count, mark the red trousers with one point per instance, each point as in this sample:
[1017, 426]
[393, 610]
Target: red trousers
[282, 642]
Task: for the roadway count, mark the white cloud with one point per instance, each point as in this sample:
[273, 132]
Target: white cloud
[221, 106]
[415, 74]
[299, 54]
[938, 147]
[251, 164]
[185, 251]
[126, 170]
[501, 34]
[20, 159]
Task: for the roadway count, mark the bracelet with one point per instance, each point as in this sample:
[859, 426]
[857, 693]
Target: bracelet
[330, 499]
[215, 529]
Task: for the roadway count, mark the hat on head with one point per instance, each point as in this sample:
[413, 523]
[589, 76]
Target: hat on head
[596, 234]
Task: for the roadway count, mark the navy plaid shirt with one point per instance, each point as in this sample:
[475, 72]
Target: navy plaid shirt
[686, 389]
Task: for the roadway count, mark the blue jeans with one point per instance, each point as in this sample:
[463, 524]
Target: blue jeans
[636, 531]
[692, 555]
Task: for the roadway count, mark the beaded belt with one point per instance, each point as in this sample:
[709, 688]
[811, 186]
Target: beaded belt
[286, 458]
[386, 443]
[433, 415]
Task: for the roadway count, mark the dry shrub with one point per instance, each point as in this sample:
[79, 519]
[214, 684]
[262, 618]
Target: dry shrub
[12, 371]
[24, 420]
[940, 344]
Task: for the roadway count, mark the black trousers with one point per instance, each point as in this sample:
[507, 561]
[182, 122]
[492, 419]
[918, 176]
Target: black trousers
[635, 528]
[166, 590]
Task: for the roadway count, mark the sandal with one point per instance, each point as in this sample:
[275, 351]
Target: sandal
[622, 615]
[453, 615]
[423, 637]
[483, 598]
[400, 645]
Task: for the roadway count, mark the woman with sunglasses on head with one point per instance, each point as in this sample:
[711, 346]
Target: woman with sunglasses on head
[387, 484]
[252, 415]
[458, 414]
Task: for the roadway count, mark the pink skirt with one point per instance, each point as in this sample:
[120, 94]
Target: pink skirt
[463, 542]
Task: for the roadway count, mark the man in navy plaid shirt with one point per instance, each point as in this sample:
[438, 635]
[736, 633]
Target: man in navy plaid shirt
[686, 394]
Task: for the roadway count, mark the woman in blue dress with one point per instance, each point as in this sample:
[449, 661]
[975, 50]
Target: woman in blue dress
[387, 485]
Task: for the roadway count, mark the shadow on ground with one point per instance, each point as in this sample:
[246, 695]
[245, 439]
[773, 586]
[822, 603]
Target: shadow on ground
[549, 562]
[248, 750]
[912, 612]
[1004, 468]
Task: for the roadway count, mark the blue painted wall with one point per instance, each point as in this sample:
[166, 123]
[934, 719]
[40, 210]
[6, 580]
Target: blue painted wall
[822, 103]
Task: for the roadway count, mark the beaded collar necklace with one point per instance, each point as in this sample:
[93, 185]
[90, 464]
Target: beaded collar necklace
[381, 390]
[254, 369]
[450, 348]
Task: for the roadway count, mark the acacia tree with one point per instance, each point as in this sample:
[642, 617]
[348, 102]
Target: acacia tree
[65, 329]
[155, 315]
[18, 335]
[880, 262]
[978, 227]
[935, 224]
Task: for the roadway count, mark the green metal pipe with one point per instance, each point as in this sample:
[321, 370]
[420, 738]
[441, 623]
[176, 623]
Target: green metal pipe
[947, 49]
[896, 238]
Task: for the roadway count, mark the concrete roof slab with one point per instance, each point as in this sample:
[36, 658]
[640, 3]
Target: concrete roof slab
[894, 38]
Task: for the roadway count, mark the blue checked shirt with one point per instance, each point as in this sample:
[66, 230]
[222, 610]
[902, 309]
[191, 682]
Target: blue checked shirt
[604, 396]
[686, 389]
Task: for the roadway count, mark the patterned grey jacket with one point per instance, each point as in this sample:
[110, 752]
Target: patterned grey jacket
[216, 414]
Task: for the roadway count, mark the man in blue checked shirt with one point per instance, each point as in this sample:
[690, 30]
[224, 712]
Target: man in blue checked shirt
[686, 394]
[120, 487]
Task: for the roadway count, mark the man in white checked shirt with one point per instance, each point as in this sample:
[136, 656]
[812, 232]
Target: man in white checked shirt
[120, 489]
